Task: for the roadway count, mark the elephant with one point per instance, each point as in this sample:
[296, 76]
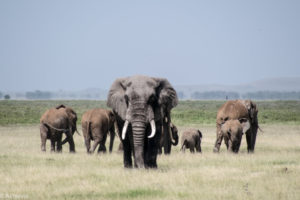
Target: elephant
[142, 106]
[191, 139]
[166, 142]
[237, 110]
[53, 123]
[96, 124]
[232, 131]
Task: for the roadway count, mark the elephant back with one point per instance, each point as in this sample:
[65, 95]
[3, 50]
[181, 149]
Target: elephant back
[232, 110]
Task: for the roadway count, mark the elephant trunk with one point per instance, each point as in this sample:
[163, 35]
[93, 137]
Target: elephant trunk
[138, 130]
[175, 142]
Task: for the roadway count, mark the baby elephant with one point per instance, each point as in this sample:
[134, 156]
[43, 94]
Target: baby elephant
[232, 131]
[191, 139]
[96, 124]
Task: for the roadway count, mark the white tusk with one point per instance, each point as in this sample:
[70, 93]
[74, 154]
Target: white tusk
[124, 129]
[166, 119]
[171, 136]
[153, 129]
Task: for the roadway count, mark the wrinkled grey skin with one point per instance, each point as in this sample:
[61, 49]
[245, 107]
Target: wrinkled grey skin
[140, 100]
[166, 142]
[232, 131]
[53, 123]
[191, 139]
[238, 109]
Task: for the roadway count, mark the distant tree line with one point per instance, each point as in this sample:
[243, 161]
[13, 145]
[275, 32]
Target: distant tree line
[218, 95]
[6, 96]
[208, 95]
[38, 95]
[259, 95]
[272, 95]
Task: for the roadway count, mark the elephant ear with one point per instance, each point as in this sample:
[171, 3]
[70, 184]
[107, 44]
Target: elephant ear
[72, 114]
[60, 106]
[116, 97]
[245, 124]
[167, 96]
[253, 113]
[200, 134]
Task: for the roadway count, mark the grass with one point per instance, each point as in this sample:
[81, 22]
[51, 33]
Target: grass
[272, 172]
[186, 113]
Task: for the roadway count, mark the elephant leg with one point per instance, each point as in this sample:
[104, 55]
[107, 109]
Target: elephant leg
[159, 150]
[252, 138]
[127, 155]
[111, 140]
[183, 148]
[248, 139]
[127, 159]
[71, 143]
[198, 148]
[218, 140]
[152, 147]
[96, 142]
[102, 146]
[44, 132]
[167, 147]
[192, 149]
[226, 143]
[58, 143]
[101, 138]
[87, 141]
[52, 144]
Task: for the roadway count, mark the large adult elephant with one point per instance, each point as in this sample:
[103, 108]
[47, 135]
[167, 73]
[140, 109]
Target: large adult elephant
[142, 106]
[237, 110]
[96, 124]
[167, 140]
[56, 121]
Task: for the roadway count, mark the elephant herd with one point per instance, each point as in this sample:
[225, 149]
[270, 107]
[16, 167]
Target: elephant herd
[141, 117]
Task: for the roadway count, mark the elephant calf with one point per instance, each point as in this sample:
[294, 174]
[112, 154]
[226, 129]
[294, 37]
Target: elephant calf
[232, 132]
[96, 124]
[191, 139]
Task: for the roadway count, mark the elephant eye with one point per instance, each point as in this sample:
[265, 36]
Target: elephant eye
[126, 99]
[152, 99]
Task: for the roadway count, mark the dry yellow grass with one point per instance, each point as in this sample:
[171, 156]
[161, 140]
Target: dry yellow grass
[272, 172]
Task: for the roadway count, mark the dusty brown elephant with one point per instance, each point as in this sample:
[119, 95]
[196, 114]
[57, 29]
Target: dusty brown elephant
[191, 139]
[232, 131]
[53, 123]
[96, 124]
[167, 140]
[142, 106]
[237, 110]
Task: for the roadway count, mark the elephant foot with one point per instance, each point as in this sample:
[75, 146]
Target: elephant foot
[216, 150]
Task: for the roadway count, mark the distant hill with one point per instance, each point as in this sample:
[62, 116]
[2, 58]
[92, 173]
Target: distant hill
[271, 88]
[282, 85]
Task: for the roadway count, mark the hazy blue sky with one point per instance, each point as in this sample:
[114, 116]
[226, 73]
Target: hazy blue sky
[72, 45]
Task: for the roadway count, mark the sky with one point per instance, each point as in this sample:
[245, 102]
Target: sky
[74, 45]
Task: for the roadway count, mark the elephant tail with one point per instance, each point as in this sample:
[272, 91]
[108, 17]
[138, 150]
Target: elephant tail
[88, 128]
[183, 144]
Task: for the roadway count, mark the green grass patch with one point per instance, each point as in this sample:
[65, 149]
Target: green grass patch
[186, 113]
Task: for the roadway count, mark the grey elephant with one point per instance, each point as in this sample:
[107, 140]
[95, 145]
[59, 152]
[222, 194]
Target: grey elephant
[142, 107]
[191, 139]
[167, 140]
[96, 124]
[53, 123]
[236, 110]
[232, 131]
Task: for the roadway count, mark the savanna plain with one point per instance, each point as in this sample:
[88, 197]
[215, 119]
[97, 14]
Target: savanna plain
[272, 172]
